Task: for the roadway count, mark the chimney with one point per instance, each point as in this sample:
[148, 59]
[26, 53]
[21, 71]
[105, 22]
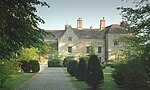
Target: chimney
[102, 23]
[79, 23]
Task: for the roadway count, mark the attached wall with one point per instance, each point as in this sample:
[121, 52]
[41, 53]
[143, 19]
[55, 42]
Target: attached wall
[114, 46]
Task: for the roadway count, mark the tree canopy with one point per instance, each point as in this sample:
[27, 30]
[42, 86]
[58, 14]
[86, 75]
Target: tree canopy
[134, 71]
[19, 25]
[138, 18]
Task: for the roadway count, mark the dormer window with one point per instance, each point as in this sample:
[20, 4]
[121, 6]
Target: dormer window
[69, 38]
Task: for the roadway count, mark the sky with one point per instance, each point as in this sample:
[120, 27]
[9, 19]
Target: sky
[91, 12]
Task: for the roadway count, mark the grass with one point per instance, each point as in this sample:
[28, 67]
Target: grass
[16, 80]
[108, 82]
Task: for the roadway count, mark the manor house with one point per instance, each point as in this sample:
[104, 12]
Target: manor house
[79, 41]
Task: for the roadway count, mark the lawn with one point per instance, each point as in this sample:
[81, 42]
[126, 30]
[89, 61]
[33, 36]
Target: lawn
[108, 82]
[16, 80]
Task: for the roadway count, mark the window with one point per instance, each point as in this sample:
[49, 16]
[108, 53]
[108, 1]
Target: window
[70, 49]
[99, 49]
[116, 43]
[88, 49]
[69, 38]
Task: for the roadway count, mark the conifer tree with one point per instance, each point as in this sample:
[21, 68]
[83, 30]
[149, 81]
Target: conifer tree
[94, 74]
[81, 70]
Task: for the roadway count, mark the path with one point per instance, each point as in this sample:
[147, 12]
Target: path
[48, 79]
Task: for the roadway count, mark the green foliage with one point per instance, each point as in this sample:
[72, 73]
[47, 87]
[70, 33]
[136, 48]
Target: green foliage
[46, 48]
[17, 80]
[28, 54]
[25, 66]
[131, 74]
[86, 58]
[34, 66]
[72, 67]
[103, 66]
[6, 69]
[113, 65]
[30, 66]
[19, 25]
[136, 71]
[94, 74]
[119, 74]
[139, 28]
[66, 62]
[81, 70]
[55, 61]
[91, 50]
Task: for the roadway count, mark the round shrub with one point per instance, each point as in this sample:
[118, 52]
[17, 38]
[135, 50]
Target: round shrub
[25, 66]
[34, 66]
[81, 70]
[72, 67]
[94, 74]
[66, 62]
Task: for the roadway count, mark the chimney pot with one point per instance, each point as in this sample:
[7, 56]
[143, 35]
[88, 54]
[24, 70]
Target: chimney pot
[102, 23]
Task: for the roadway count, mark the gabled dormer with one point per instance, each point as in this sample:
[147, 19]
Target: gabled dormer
[69, 35]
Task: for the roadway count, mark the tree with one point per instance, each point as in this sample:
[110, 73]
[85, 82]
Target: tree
[94, 72]
[138, 19]
[19, 25]
[81, 70]
[138, 49]
[72, 67]
[45, 48]
[124, 24]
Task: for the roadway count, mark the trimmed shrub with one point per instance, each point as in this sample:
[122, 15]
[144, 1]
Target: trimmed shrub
[54, 63]
[119, 74]
[25, 66]
[34, 66]
[72, 67]
[31, 66]
[94, 74]
[81, 70]
[111, 65]
[103, 66]
[132, 74]
[66, 62]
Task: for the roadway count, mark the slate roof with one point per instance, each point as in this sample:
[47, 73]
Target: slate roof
[115, 29]
[55, 33]
[89, 33]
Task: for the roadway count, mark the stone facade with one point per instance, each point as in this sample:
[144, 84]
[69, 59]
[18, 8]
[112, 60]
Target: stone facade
[75, 42]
